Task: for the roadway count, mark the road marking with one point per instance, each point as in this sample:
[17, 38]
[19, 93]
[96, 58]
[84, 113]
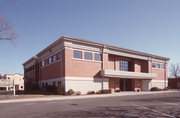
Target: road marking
[169, 103]
[155, 111]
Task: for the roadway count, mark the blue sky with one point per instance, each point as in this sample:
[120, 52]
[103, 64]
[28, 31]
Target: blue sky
[151, 26]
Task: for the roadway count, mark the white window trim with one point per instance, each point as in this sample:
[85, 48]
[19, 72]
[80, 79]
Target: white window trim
[160, 66]
[83, 56]
[51, 60]
[94, 57]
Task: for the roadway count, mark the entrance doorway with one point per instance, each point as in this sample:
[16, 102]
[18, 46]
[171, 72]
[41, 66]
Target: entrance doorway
[126, 84]
[17, 87]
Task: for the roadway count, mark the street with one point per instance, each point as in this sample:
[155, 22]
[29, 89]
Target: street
[162, 105]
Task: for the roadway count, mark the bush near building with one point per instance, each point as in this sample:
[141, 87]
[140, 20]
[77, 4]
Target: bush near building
[70, 92]
[155, 89]
[105, 91]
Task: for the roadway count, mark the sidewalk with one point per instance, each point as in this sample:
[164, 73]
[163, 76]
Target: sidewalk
[51, 98]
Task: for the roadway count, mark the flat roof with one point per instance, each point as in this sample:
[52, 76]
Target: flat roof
[78, 40]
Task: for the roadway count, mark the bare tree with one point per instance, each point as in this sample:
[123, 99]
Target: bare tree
[175, 70]
[6, 30]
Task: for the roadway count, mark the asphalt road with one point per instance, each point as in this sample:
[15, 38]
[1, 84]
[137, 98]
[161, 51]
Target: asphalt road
[163, 105]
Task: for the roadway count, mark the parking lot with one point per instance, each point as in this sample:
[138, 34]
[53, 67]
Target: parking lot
[161, 105]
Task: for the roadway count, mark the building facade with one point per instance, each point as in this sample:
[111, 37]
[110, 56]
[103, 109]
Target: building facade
[9, 81]
[174, 83]
[85, 66]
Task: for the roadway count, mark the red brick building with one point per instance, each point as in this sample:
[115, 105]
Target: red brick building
[85, 66]
[174, 83]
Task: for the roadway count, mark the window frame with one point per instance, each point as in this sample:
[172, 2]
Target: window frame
[54, 58]
[95, 54]
[77, 56]
[88, 55]
[157, 65]
[124, 65]
[59, 56]
[49, 60]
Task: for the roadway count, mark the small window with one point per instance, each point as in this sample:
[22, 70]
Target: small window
[88, 55]
[77, 54]
[154, 65]
[42, 63]
[54, 58]
[158, 65]
[97, 57]
[22, 87]
[59, 56]
[50, 60]
[162, 66]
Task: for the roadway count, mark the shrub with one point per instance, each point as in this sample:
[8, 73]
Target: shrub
[117, 91]
[58, 90]
[98, 92]
[155, 89]
[70, 92]
[78, 93]
[90, 92]
[105, 91]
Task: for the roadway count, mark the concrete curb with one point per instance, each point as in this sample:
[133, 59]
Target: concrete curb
[82, 96]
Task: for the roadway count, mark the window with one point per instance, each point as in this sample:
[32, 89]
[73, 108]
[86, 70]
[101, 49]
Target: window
[78, 54]
[54, 58]
[59, 56]
[153, 65]
[158, 65]
[97, 57]
[42, 63]
[88, 55]
[123, 65]
[54, 84]
[162, 66]
[50, 60]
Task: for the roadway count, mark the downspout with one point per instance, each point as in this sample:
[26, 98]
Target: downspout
[165, 74]
[102, 68]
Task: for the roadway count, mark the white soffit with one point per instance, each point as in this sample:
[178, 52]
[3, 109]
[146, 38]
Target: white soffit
[125, 74]
[126, 54]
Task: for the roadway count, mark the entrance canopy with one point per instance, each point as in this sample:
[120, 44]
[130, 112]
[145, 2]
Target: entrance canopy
[127, 74]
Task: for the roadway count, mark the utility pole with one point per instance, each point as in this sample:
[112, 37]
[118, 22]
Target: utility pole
[14, 89]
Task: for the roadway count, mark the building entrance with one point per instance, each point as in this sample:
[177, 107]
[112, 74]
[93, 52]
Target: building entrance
[126, 84]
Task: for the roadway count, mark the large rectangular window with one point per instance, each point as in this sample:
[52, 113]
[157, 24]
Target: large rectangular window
[77, 54]
[123, 65]
[88, 55]
[97, 57]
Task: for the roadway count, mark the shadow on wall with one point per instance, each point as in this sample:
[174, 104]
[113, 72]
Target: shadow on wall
[98, 75]
[99, 80]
